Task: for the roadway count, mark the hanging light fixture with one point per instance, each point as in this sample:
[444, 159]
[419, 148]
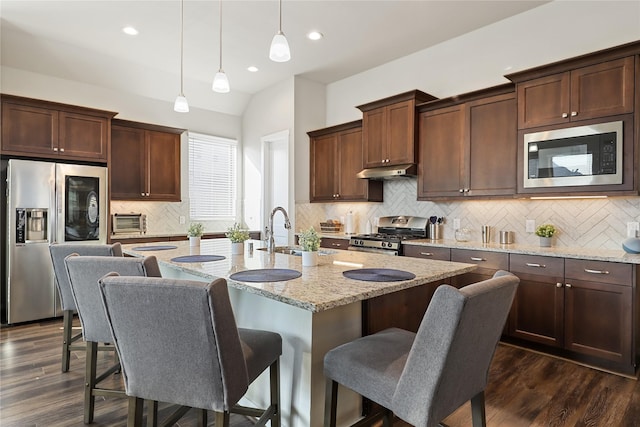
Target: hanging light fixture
[220, 81]
[279, 51]
[181, 105]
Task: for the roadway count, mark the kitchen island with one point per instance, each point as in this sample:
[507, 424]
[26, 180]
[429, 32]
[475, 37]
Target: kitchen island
[315, 312]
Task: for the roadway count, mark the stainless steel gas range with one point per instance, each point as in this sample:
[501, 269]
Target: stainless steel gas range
[392, 231]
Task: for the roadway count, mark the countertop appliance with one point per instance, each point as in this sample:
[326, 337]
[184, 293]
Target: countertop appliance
[392, 231]
[128, 223]
[579, 155]
[46, 203]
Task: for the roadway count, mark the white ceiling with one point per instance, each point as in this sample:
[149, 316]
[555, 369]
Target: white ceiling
[82, 41]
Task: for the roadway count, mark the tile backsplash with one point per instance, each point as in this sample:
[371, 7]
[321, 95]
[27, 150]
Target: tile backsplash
[589, 223]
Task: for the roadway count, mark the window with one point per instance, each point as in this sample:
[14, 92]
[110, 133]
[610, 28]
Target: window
[212, 177]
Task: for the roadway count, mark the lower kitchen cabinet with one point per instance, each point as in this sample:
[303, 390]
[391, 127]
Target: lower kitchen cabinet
[427, 252]
[488, 263]
[334, 243]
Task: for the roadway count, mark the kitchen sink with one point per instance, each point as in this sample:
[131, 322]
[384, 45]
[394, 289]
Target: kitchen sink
[296, 251]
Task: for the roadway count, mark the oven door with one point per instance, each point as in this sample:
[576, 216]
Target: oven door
[392, 252]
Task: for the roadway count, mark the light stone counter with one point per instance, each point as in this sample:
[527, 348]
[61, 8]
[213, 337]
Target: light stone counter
[319, 288]
[314, 313]
[514, 248]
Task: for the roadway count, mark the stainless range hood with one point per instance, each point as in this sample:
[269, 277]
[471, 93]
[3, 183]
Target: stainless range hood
[389, 172]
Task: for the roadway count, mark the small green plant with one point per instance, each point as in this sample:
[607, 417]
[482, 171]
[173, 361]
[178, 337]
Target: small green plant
[545, 230]
[237, 234]
[195, 229]
[309, 240]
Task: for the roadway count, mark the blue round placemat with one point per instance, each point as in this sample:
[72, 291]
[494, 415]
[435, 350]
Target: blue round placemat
[154, 248]
[198, 258]
[266, 275]
[378, 275]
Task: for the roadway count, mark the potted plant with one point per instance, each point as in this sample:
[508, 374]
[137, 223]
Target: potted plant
[545, 232]
[195, 233]
[237, 236]
[310, 242]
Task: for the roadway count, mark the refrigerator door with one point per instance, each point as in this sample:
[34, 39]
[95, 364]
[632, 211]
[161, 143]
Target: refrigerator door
[30, 224]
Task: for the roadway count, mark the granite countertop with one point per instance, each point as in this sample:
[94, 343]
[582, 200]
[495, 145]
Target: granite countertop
[319, 288]
[514, 248]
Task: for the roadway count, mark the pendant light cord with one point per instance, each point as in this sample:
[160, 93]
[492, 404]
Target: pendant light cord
[181, 46]
[280, 9]
[220, 34]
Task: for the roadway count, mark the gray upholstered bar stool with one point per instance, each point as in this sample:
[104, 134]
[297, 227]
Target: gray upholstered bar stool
[178, 343]
[59, 251]
[84, 273]
[424, 377]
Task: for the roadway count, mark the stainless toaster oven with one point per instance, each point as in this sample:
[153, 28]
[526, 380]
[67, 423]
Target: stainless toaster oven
[128, 223]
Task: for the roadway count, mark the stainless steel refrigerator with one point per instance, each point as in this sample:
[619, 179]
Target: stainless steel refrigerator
[46, 203]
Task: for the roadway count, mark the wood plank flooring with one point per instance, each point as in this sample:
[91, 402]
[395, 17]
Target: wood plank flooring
[525, 389]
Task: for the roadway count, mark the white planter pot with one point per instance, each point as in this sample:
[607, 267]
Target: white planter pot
[194, 240]
[309, 258]
[237, 248]
[545, 242]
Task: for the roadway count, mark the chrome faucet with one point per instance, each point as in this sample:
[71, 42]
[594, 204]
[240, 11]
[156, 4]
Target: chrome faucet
[269, 230]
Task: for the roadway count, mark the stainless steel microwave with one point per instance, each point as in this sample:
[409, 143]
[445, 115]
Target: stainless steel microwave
[581, 155]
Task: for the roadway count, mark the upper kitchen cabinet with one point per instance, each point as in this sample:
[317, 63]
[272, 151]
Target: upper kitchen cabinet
[145, 162]
[336, 158]
[42, 129]
[389, 129]
[468, 149]
[583, 88]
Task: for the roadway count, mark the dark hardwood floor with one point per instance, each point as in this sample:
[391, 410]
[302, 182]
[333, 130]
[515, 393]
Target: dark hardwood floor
[525, 389]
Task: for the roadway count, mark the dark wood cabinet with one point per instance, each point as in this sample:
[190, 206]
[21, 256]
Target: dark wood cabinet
[334, 243]
[389, 129]
[488, 263]
[42, 129]
[336, 158]
[600, 90]
[469, 149]
[145, 162]
[427, 252]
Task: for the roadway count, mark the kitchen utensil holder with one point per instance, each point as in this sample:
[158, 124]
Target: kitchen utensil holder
[506, 237]
[435, 231]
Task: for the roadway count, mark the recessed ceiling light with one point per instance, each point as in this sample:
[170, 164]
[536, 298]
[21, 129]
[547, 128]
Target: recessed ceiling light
[315, 35]
[252, 68]
[130, 31]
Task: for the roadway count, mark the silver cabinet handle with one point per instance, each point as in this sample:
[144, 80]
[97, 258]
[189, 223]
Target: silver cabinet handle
[473, 258]
[336, 244]
[147, 194]
[62, 150]
[55, 148]
[574, 113]
[531, 264]
[565, 115]
[142, 194]
[586, 270]
[426, 253]
[558, 285]
[466, 190]
[461, 190]
[568, 285]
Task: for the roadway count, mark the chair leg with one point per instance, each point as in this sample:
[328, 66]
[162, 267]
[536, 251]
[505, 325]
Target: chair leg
[387, 418]
[202, 418]
[90, 381]
[330, 403]
[478, 415]
[67, 333]
[134, 414]
[274, 381]
[152, 413]
[222, 419]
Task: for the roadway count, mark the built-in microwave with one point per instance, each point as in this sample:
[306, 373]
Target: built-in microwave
[581, 155]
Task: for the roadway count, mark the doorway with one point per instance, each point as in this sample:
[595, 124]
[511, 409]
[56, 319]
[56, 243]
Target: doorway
[275, 155]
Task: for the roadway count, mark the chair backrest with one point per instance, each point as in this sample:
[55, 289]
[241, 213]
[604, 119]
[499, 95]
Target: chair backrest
[177, 340]
[84, 273]
[450, 358]
[59, 251]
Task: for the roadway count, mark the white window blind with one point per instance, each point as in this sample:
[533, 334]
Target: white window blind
[212, 177]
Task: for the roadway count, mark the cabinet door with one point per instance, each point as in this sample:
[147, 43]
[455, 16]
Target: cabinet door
[602, 90]
[441, 153]
[350, 187]
[427, 252]
[375, 135]
[30, 130]
[400, 139]
[491, 159]
[333, 243]
[598, 320]
[163, 166]
[543, 101]
[83, 136]
[128, 163]
[323, 168]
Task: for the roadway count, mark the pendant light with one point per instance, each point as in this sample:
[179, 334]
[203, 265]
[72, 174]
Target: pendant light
[279, 51]
[181, 105]
[220, 81]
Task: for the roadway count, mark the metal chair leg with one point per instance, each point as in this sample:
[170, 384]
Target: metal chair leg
[478, 415]
[330, 403]
[134, 414]
[90, 381]
[222, 419]
[274, 380]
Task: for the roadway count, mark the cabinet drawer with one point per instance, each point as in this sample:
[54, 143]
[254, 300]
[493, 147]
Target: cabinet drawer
[427, 252]
[328, 242]
[535, 264]
[599, 271]
[484, 259]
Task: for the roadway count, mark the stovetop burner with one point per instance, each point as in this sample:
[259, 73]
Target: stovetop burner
[392, 231]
